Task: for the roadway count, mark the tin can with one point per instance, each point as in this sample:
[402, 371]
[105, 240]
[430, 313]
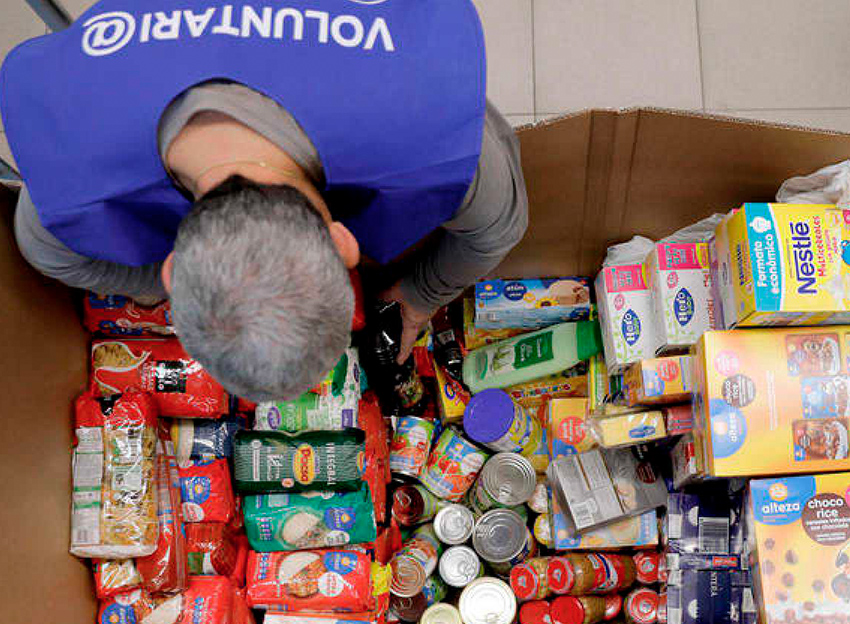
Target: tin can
[507, 480]
[560, 575]
[501, 539]
[453, 466]
[413, 504]
[493, 419]
[642, 606]
[435, 590]
[539, 501]
[414, 562]
[543, 530]
[647, 566]
[535, 612]
[410, 445]
[459, 566]
[441, 613]
[408, 577]
[409, 608]
[528, 579]
[453, 524]
[617, 573]
[487, 601]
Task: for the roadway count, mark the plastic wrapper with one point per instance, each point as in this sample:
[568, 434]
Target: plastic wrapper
[620, 430]
[206, 491]
[114, 503]
[208, 600]
[115, 315]
[211, 549]
[115, 576]
[205, 439]
[178, 384]
[241, 611]
[376, 470]
[127, 608]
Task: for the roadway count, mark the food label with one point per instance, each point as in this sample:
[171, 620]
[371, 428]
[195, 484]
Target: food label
[515, 355]
[452, 467]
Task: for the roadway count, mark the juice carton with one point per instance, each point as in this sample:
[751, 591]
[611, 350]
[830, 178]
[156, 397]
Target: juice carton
[531, 303]
[626, 312]
[567, 427]
[773, 401]
[799, 532]
[788, 265]
[659, 381]
[679, 277]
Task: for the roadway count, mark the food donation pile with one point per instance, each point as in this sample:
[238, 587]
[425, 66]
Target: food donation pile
[667, 443]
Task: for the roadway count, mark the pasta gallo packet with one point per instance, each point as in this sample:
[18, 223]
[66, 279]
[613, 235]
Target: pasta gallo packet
[178, 384]
[115, 576]
[114, 505]
[130, 607]
[206, 491]
[116, 315]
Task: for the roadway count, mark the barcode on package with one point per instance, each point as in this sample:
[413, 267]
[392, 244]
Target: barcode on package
[714, 536]
[584, 513]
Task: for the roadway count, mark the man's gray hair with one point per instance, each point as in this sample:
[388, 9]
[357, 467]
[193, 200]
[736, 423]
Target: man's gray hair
[259, 293]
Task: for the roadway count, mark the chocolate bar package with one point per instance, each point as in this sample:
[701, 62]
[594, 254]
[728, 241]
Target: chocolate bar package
[700, 597]
[698, 561]
[698, 524]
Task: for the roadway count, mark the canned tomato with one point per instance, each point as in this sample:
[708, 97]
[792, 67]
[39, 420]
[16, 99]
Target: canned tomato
[647, 566]
[642, 606]
[413, 504]
[535, 612]
[543, 530]
[528, 579]
[493, 419]
[502, 540]
[539, 501]
[414, 562]
[410, 445]
[441, 613]
[487, 601]
[507, 480]
[459, 566]
[453, 524]
[453, 466]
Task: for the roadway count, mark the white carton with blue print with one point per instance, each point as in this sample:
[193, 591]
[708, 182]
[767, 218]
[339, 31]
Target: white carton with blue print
[531, 303]
[626, 316]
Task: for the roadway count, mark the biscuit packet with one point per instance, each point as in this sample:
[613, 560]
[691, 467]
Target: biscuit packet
[132, 606]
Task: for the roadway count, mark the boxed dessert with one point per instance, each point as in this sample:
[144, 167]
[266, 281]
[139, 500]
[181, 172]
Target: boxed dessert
[799, 532]
[680, 280]
[531, 303]
[773, 401]
[657, 381]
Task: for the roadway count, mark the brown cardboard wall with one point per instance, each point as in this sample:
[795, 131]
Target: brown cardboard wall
[42, 368]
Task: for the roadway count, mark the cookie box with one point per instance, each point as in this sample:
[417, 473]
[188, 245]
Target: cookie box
[659, 381]
[531, 303]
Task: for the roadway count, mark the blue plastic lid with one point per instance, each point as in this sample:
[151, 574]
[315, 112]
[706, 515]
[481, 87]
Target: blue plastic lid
[488, 416]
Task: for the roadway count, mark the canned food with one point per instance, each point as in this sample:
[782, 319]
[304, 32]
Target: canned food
[647, 566]
[584, 609]
[618, 573]
[642, 606]
[413, 504]
[459, 566]
[435, 590]
[560, 575]
[441, 613]
[539, 501]
[493, 419]
[535, 612]
[409, 608]
[528, 580]
[507, 480]
[502, 539]
[453, 524]
[408, 577]
[543, 530]
[410, 445]
[453, 466]
[414, 562]
[487, 601]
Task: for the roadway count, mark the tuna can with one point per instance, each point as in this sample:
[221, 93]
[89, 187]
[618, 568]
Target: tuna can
[453, 466]
[507, 480]
[487, 601]
[453, 524]
[414, 562]
[493, 419]
[410, 445]
[413, 504]
[408, 577]
[459, 566]
[502, 540]
[441, 613]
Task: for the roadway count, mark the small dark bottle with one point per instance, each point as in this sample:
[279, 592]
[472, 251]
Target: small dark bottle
[399, 383]
[447, 351]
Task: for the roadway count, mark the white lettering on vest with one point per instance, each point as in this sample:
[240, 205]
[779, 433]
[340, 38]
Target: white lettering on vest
[323, 18]
[336, 31]
[166, 27]
[197, 24]
[263, 25]
[226, 27]
[379, 27]
[297, 23]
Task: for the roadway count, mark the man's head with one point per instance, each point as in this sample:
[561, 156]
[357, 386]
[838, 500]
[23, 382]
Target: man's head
[259, 288]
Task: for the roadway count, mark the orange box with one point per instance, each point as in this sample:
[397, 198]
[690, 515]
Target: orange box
[567, 427]
[660, 381]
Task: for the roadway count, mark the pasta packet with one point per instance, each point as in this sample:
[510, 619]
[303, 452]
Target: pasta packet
[114, 506]
[211, 549]
[129, 607]
[115, 576]
[206, 491]
[116, 315]
[208, 600]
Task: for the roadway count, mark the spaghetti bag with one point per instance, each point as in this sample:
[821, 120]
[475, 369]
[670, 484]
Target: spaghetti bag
[115, 315]
[270, 461]
[179, 385]
[115, 576]
[206, 491]
[208, 600]
[114, 502]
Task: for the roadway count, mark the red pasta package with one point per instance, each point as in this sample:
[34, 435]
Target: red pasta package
[212, 550]
[178, 384]
[115, 576]
[126, 608]
[115, 315]
[376, 469]
[243, 549]
[206, 491]
[208, 600]
[311, 580]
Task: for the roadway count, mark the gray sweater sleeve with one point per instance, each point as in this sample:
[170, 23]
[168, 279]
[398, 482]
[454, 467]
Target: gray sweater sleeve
[52, 258]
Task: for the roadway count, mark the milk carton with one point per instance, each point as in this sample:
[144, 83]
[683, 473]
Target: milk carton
[626, 312]
[680, 280]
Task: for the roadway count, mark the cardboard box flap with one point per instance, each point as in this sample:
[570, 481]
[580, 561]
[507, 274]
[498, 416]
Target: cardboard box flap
[599, 177]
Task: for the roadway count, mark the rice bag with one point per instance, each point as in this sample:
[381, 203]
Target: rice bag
[271, 461]
[207, 600]
[205, 439]
[115, 576]
[205, 491]
[116, 315]
[276, 522]
[241, 612]
[311, 580]
[165, 569]
[114, 503]
[211, 550]
[128, 608]
[179, 385]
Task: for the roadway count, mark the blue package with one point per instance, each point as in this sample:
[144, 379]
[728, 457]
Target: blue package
[205, 439]
[531, 303]
[701, 597]
[698, 524]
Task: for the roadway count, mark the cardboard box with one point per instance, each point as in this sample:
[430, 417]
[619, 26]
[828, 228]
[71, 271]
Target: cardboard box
[567, 428]
[659, 381]
[634, 532]
[628, 429]
[774, 401]
[531, 303]
[593, 178]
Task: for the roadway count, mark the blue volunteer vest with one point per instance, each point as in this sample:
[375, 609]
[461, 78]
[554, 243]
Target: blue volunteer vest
[391, 92]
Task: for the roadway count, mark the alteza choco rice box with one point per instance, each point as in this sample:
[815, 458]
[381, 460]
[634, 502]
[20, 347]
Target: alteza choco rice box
[786, 265]
[773, 401]
[799, 535]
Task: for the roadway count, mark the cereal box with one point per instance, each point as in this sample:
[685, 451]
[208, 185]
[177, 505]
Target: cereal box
[679, 277]
[788, 265]
[773, 401]
[626, 316]
[659, 381]
[799, 531]
[567, 427]
[531, 303]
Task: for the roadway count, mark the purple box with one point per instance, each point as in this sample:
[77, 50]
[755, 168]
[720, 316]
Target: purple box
[698, 524]
[701, 597]
[698, 561]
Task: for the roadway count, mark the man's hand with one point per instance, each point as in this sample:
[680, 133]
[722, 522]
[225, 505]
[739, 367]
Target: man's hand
[412, 321]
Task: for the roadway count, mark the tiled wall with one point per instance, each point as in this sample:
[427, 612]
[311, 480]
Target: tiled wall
[779, 60]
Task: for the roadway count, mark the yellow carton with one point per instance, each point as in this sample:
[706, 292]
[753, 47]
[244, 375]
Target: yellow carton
[773, 401]
[536, 392]
[660, 381]
[452, 397]
[787, 265]
[567, 427]
[629, 429]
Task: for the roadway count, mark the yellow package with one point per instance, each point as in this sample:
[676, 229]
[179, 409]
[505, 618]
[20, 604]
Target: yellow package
[451, 397]
[475, 337]
[659, 381]
[773, 401]
[567, 427]
[628, 429]
[787, 265]
[563, 385]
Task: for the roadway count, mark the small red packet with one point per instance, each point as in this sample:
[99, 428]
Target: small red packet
[206, 491]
